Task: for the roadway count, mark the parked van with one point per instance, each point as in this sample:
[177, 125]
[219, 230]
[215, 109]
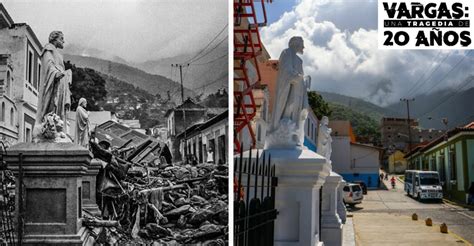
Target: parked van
[423, 184]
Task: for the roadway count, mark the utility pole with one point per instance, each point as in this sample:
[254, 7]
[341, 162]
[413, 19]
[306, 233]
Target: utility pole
[407, 100]
[182, 103]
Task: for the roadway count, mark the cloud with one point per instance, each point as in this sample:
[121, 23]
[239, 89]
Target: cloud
[137, 30]
[341, 53]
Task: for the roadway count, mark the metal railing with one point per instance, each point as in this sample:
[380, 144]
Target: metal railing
[254, 200]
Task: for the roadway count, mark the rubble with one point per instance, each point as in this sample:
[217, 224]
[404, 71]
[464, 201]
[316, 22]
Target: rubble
[161, 203]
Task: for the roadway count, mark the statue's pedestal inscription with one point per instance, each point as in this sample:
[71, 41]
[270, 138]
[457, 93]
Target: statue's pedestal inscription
[52, 181]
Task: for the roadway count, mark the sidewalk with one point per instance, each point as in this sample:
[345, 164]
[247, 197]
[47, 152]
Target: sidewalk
[388, 229]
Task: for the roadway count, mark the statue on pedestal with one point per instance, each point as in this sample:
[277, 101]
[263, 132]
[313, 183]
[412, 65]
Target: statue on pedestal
[286, 128]
[54, 96]
[82, 124]
[324, 139]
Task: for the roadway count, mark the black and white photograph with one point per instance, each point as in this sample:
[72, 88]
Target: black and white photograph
[114, 122]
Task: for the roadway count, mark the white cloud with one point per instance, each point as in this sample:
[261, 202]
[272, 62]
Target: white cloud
[341, 53]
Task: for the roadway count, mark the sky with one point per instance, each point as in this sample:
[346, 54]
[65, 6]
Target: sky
[135, 30]
[341, 52]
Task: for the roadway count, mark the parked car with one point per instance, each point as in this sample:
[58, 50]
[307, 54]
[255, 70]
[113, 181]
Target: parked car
[352, 194]
[362, 185]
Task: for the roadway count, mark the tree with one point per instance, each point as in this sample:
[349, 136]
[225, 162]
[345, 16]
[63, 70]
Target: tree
[86, 83]
[318, 105]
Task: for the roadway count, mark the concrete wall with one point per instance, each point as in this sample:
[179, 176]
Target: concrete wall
[340, 156]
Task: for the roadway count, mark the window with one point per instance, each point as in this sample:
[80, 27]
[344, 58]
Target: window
[27, 135]
[8, 84]
[29, 76]
[38, 77]
[2, 117]
[12, 114]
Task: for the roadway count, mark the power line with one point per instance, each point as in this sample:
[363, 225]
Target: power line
[448, 98]
[211, 61]
[446, 75]
[412, 91]
[215, 37]
[209, 51]
[212, 82]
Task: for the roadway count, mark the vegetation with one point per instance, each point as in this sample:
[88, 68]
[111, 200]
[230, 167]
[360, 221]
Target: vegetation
[88, 84]
[365, 127]
[318, 105]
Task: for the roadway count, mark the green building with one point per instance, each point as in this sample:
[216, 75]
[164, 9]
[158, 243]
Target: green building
[452, 155]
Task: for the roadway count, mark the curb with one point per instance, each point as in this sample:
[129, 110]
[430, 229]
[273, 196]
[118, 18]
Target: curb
[449, 231]
[458, 204]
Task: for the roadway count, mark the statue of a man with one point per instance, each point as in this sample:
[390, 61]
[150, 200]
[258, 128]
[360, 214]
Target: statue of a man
[82, 124]
[290, 104]
[324, 139]
[54, 95]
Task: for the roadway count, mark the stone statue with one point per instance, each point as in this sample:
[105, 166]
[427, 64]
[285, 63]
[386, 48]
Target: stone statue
[286, 128]
[54, 96]
[81, 136]
[324, 139]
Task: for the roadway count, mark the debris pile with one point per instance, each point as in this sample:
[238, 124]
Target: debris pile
[159, 202]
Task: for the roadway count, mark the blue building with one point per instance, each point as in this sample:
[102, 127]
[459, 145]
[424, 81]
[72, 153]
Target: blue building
[354, 161]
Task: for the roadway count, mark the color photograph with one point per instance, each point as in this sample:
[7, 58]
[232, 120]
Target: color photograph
[353, 123]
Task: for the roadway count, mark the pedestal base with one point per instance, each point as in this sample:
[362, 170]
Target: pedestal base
[52, 195]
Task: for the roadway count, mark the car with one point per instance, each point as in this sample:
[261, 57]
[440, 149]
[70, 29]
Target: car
[353, 194]
[362, 185]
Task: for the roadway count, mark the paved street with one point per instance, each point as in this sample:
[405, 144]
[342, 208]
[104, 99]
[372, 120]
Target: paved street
[378, 204]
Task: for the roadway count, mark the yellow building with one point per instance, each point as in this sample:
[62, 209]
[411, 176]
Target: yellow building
[397, 163]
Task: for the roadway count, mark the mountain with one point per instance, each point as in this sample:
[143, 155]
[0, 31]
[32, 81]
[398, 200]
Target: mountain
[79, 50]
[456, 105]
[204, 76]
[355, 104]
[154, 84]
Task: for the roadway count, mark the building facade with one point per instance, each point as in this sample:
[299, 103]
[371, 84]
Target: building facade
[209, 137]
[452, 156]
[354, 161]
[21, 74]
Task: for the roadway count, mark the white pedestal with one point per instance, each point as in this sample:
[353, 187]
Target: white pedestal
[331, 230]
[300, 174]
[341, 207]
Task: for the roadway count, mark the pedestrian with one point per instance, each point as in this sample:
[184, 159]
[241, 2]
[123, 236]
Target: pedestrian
[470, 198]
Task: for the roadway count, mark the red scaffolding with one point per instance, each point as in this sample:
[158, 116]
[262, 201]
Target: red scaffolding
[247, 47]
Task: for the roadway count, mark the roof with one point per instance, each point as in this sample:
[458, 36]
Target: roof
[189, 104]
[6, 20]
[367, 146]
[118, 134]
[449, 134]
[190, 131]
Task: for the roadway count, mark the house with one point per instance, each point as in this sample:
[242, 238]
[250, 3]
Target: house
[354, 161]
[182, 117]
[208, 135]
[20, 71]
[395, 133]
[452, 155]
[397, 162]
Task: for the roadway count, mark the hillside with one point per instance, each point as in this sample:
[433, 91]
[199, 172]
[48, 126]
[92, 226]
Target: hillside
[355, 104]
[204, 76]
[154, 84]
[365, 127]
[430, 109]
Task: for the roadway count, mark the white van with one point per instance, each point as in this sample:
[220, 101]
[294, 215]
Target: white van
[423, 184]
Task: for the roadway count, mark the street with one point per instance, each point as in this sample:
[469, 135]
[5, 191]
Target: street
[460, 220]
